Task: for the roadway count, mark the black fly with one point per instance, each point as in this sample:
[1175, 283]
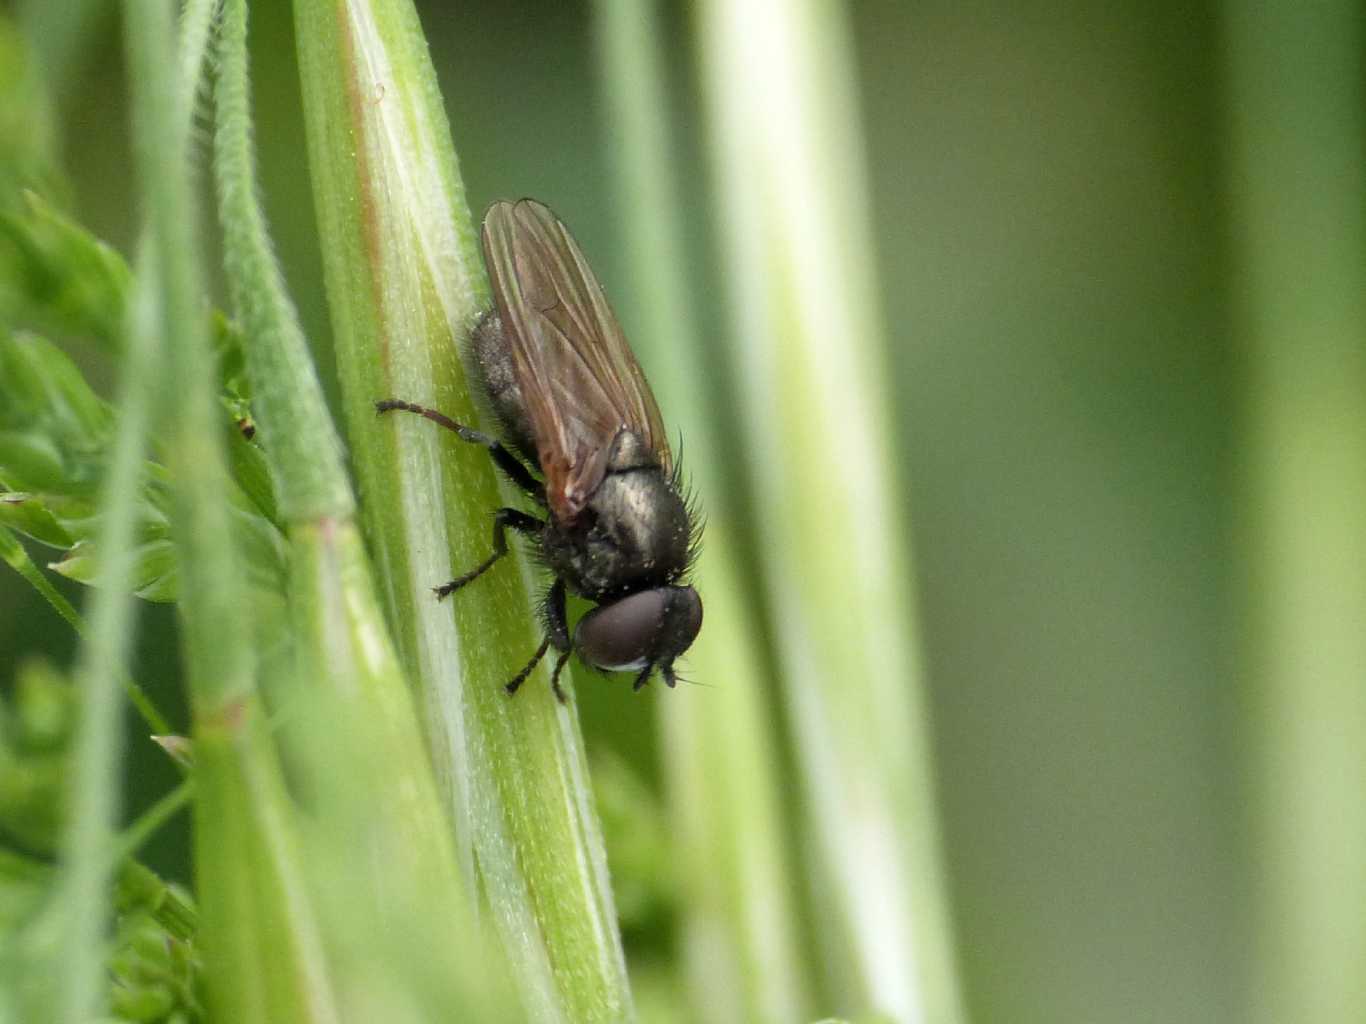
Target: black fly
[574, 403]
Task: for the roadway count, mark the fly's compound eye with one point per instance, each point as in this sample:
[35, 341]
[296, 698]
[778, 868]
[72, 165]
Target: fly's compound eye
[647, 628]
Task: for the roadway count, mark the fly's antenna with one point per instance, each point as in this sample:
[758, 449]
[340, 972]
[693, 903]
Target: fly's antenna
[691, 682]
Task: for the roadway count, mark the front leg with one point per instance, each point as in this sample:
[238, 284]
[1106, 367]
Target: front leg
[557, 631]
[554, 616]
[556, 623]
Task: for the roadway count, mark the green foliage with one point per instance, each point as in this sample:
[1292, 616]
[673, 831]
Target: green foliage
[153, 966]
[56, 432]
[155, 970]
[35, 740]
[58, 278]
[342, 887]
[404, 282]
[640, 847]
[26, 126]
[55, 438]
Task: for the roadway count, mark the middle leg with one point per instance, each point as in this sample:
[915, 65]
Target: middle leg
[503, 520]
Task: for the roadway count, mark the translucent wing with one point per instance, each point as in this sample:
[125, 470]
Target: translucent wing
[580, 382]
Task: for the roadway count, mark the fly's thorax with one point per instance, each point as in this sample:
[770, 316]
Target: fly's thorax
[634, 533]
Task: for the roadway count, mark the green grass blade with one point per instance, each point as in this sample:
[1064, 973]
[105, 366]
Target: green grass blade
[262, 952]
[404, 285]
[1298, 180]
[62, 33]
[301, 446]
[809, 352]
[740, 937]
[102, 661]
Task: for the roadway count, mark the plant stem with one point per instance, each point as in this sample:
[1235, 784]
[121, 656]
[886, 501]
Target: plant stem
[301, 446]
[103, 657]
[262, 951]
[135, 835]
[810, 355]
[1296, 105]
[403, 884]
[740, 935]
[404, 285]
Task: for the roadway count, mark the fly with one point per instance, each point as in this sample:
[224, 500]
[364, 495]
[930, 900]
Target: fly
[575, 407]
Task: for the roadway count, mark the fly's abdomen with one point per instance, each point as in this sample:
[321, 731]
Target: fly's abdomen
[493, 360]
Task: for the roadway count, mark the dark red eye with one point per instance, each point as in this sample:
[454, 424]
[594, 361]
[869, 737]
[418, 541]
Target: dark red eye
[647, 628]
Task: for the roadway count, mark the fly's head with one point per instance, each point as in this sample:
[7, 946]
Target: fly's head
[641, 632]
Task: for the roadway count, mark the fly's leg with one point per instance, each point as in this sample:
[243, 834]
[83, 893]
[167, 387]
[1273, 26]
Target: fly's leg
[555, 678]
[554, 616]
[511, 685]
[557, 632]
[512, 466]
[503, 520]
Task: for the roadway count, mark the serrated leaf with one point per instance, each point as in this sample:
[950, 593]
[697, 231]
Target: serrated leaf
[59, 278]
[227, 349]
[55, 435]
[75, 514]
[249, 468]
[29, 515]
[155, 573]
[31, 462]
[43, 393]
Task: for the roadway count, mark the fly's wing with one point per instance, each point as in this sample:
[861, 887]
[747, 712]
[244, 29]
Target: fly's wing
[580, 383]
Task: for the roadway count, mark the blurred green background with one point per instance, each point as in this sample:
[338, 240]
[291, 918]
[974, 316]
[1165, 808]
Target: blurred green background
[1048, 182]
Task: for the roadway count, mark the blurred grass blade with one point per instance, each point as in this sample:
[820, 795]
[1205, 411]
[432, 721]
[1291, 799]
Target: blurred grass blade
[302, 448]
[102, 662]
[810, 352]
[382, 857]
[28, 135]
[384, 860]
[1298, 182]
[104, 654]
[62, 34]
[740, 934]
[404, 285]
[262, 953]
